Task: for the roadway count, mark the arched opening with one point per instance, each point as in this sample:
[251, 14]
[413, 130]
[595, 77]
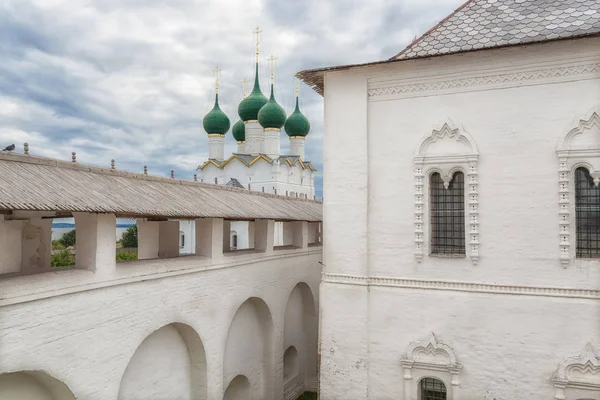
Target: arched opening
[290, 364]
[300, 334]
[168, 364]
[33, 385]
[432, 389]
[249, 348]
[238, 389]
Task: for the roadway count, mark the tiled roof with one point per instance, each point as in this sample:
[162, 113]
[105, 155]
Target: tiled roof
[43, 184]
[234, 183]
[487, 24]
[482, 24]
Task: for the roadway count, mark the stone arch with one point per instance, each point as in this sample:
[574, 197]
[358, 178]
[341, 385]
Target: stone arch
[238, 389]
[249, 348]
[169, 363]
[33, 385]
[300, 331]
[290, 363]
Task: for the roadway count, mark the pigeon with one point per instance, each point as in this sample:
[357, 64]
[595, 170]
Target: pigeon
[9, 148]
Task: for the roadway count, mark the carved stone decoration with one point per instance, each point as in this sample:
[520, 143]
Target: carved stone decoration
[384, 88]
[579, 148]
[447, 151]
[578, 376]
[430, 358]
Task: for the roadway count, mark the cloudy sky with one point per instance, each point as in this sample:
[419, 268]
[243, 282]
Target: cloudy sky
[132, 79]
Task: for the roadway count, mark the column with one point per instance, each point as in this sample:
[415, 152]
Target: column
[209, 237]
[264, 235]
[96, 242]
[226, 236]
[300, 231]
[148, 239]
[251, 231]
[288, 234]
[10, 246]
[36, 244]
[168, 239]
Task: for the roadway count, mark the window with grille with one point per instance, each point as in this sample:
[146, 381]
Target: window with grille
[447, 215]
[432, 389]
[587, 215]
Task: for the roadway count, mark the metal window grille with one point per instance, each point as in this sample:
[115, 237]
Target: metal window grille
[587, 215]
[447, 215]
[432, 389]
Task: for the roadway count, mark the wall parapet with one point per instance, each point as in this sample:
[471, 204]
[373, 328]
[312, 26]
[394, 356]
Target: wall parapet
[22, 289]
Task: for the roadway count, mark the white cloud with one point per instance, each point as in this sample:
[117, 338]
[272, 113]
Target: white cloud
[132, 79]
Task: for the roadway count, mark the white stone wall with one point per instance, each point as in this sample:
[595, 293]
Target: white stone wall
[513, 317]
[104, 335]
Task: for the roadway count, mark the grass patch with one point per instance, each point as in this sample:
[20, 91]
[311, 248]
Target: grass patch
[127, 255]
[308, 396]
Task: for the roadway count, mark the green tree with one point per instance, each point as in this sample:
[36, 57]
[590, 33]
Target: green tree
[68, 239]
[130, 237]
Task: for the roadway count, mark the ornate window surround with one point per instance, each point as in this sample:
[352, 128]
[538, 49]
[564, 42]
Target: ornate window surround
[580, 148]
[430, 358]
[459, 153]
[578, 376]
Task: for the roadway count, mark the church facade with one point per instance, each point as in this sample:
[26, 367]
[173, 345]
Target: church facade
[258, 163]
[463, 242]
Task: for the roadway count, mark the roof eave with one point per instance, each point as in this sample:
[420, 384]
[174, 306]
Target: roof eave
[308, 76]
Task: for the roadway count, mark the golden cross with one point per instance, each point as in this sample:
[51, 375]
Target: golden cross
[217, 70]
[257, 32]
[244, 85]
[271, 61]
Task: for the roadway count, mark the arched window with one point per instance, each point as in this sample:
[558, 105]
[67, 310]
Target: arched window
[447, 215]
[447, 218]
[587, 215]
[432, 389]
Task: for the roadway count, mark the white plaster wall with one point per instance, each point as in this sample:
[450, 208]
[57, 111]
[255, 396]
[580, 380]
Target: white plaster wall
[509, 345]
[84, 328]
[160, 368]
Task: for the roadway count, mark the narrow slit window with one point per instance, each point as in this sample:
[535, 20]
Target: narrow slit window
[432, 389]
[448, 215]
[587, 215]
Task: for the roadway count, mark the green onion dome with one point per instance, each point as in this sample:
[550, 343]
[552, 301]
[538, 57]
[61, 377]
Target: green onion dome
[251, 105]
[216, 121]
[272, 115]
[297, 124]
[239, 131]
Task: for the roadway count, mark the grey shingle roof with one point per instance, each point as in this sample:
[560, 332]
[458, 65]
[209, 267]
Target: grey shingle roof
[234, 183]
[45, 184]
[482, 24]
[487, 24]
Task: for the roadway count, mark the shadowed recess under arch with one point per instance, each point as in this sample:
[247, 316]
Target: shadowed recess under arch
[249, 348]
[33, 385]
